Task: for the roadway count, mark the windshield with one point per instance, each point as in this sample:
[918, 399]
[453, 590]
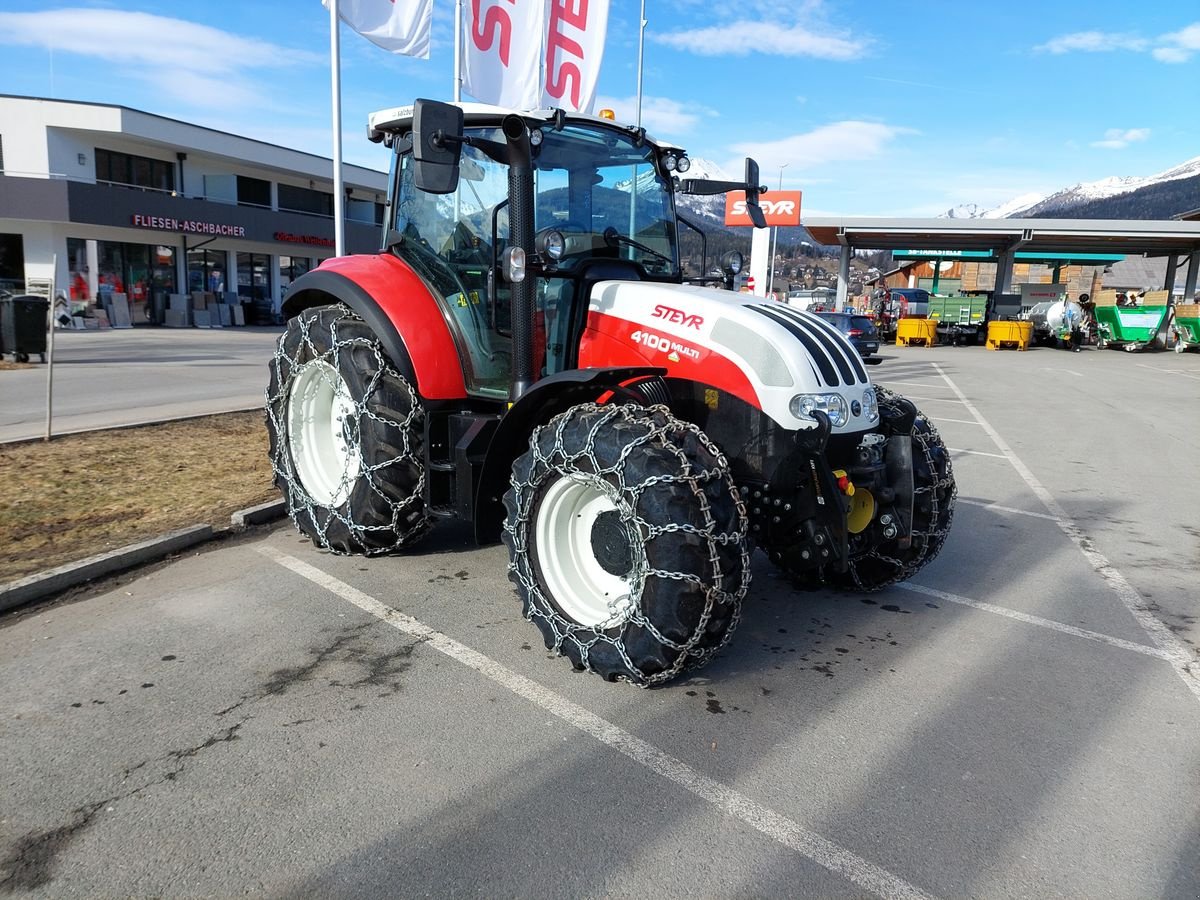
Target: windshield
[595, 183]
[592, 184]
[605, 194]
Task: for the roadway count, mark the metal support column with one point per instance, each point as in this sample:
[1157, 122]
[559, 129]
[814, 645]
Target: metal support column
[1169, 281]
[843, 285]
[1004, 272]
[1189, 286]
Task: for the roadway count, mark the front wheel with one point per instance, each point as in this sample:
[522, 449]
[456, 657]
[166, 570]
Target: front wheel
[346, 433]
[627, 541]
[873, 566]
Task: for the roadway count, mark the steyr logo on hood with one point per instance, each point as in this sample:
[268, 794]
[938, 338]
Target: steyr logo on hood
[678, 316]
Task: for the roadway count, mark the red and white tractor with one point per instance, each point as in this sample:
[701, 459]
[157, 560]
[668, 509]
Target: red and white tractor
[523, 354]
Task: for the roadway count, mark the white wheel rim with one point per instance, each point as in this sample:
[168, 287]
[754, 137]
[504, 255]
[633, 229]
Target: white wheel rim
[319, 412]
[577, 582]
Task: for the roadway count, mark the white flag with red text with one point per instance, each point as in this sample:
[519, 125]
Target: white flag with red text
[398, 26]
[503, 50]
[575, 32]
[525, 54]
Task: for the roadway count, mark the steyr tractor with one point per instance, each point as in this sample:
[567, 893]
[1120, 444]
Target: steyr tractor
[523, 354]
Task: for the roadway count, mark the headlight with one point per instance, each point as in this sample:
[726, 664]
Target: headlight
[683, 165]
[731, 262]
[669, 162]
[833, 405]
[553, 244]
[870, 405]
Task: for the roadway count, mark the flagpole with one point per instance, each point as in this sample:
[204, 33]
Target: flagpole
[339, 197]
[458, 15]
[641, 47]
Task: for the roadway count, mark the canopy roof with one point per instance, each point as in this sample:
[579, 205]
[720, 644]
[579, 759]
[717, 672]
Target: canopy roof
[1122, 236]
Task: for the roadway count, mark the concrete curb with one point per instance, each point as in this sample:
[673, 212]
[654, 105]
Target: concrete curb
[52, 581]
[258, 515]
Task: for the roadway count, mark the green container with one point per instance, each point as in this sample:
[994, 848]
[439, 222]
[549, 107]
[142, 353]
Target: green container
[1189, 326]
[1130, 324]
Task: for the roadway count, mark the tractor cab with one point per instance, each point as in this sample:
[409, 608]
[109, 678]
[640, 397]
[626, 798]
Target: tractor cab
[601, 207]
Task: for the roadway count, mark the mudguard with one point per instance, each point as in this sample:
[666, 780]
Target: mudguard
[398, 306]
[544, 400]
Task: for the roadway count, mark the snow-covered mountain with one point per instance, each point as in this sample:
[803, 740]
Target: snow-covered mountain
[1075, 200]
[712, 207]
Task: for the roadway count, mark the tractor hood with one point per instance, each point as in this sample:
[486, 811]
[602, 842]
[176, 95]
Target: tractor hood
[763, 351]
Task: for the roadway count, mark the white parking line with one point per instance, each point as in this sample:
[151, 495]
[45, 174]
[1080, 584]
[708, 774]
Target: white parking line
[911, 384]
[779, 828]
[1007, 509]
[976, 452]
[1036, 620]
[948, 419]
[1183, 661]
[1168, 371]
[932, 399]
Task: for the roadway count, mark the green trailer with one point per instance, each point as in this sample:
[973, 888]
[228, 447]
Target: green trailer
[1187, 327]
[1130, 327]
[960, 320]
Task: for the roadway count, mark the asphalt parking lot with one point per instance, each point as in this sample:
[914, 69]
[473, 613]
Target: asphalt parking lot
[1020, 720]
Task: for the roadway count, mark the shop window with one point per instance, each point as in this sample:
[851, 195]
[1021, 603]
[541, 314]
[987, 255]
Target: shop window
[135, 171]
[80, 292]
[254, 287]
[291, 268]
[12, 263]
[253, 192]
[110, 258]
[206, 270]
[298, 199]
[163, 270]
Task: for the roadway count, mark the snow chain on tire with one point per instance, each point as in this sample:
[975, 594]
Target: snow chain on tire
[383, 508]
[934, 493]
[686, 524]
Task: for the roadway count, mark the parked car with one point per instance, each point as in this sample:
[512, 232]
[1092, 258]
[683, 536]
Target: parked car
[859, 329]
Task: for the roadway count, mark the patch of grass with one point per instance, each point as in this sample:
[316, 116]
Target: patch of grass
[84, 494]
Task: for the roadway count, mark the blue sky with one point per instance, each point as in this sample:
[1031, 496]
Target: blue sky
[871, 107]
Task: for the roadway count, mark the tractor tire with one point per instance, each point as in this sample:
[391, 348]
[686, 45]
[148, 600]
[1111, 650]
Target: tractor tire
[627, 541]
[934, 493]
[346, 436]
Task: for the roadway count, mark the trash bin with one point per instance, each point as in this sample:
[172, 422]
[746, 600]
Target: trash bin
[23, 321]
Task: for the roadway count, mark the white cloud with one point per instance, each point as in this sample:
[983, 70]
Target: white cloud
[1119, 138]
[1179, 46]
[836, 142]
[743, 37]
[198, 64]
[662, 117]
[1174, 47]
[1093, 42]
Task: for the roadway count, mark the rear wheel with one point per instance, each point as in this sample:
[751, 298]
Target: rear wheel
[627, 541]
[346, 434]
[934, 491]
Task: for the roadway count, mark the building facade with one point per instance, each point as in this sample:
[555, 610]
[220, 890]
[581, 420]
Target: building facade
[105, 198]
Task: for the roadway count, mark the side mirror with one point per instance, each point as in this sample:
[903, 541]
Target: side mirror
[753, 189]
[437, 146]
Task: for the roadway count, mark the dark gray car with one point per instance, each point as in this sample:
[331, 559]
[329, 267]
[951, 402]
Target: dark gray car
[859, 329]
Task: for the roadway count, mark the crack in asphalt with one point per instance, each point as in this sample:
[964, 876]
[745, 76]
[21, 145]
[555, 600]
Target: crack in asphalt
[29, 862]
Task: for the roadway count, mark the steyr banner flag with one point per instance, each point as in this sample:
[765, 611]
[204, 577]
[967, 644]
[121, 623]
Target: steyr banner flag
[398, 26]
[503, 46]
[575, 32]
[526, 54]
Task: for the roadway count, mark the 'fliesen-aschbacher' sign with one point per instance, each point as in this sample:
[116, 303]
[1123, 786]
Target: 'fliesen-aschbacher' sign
[187, 226]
